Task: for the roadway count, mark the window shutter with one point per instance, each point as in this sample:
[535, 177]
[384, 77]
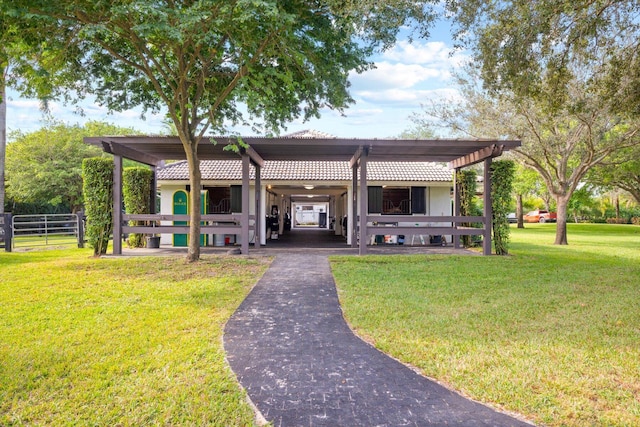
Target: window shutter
[236, 198]
[375, 200]
[418, 200]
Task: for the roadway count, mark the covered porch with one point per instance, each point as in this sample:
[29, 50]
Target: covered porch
[359, 153]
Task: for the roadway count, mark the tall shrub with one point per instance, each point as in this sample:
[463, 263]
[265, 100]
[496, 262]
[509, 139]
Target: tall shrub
[466, 181]
[97, 186]
[136, 190]
[502, 176]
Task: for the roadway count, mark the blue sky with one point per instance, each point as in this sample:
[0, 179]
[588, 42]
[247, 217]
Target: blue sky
[405, 77]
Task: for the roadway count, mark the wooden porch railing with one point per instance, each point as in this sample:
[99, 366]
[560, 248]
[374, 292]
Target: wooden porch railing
[455, 229]
[211, 224]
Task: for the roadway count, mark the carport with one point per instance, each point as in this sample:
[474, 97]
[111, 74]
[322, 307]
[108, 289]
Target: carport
[154, 150]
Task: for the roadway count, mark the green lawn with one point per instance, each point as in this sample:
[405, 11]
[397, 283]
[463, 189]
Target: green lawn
[549, 332]
[127, 341]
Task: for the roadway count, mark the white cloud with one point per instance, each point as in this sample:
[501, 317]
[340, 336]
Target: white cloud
[388, 75]
[436, 54]
[23, 104]
[417, 53]
[363, 112]
[409, 97]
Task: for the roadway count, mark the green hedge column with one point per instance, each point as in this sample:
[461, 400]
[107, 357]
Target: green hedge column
[502, 175]
[136, 184]
[466, 180]
[97, 186]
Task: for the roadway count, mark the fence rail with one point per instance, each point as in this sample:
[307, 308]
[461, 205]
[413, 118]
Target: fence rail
[5, 232]
[45, 230]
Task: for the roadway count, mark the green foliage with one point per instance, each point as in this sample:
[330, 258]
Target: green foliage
[466, 182]
[44, 167]
[97, 178]
[582, 203]
[18, 208]
[201, 60]
[525, 46]
[561, 144]
[621, 170]
[527, 182]
[502, 176]
[136, 192]
[420, 130]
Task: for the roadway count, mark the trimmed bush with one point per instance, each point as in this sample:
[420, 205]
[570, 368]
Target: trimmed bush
[617, 221]
[466, 181]
[97, 186]
[136, 191]
[502, 175]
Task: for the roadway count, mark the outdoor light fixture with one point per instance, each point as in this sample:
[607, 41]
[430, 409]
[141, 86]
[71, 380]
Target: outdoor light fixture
[308, 187]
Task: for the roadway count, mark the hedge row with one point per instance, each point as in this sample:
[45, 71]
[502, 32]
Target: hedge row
[97, 186]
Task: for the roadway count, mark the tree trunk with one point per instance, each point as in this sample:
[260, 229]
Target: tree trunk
[519, 212]
[3, 140]
[561, 225]
[193, 251]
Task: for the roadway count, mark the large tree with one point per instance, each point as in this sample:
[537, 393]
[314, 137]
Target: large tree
[200, 61]
[526, 183]
[576, 62]
[562, 143]
[621, 171]
[30, 59]
[524, 46]
[45, 166]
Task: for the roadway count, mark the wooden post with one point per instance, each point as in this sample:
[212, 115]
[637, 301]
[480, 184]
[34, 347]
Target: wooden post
[364, 203]
[488, 209]
[353, 218]
[154, 191]
[258, 222]
[8, 232]
[117, 205]
[456, 205]
[80, 225]
[244, 245]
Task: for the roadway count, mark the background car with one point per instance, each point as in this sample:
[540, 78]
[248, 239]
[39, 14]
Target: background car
[540, 216]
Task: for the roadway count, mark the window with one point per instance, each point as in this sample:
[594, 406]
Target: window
[219, 200]
[395, 201]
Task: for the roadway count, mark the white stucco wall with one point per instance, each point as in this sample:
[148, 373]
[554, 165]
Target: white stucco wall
[166, 206]
[438, 204]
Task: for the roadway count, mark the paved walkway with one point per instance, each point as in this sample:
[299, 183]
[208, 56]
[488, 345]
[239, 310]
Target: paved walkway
[302, 366]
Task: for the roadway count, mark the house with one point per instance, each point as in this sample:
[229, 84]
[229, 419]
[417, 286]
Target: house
[357, 188]
[312, 193]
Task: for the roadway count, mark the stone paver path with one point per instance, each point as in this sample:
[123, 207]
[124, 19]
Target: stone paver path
[302, 366]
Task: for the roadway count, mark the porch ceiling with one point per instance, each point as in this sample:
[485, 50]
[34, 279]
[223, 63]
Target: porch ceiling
[458, 153]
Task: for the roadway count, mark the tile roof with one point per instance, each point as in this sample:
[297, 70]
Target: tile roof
[309, 134]
[231, 170]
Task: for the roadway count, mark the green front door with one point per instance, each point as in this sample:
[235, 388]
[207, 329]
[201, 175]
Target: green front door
[180, 207]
